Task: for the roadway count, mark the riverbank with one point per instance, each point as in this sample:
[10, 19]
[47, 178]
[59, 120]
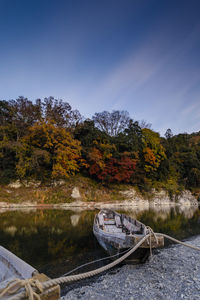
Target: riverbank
[80, 191]
[89, 196]
[172, 273]
[79, 206]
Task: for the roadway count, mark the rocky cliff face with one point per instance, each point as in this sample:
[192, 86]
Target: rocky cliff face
[86, 195]
[160, 198]
[132, 198]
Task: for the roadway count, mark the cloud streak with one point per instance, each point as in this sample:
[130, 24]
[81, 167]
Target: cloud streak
[130, 56]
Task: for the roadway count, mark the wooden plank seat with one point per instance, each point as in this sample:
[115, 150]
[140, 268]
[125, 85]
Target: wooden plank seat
[112, 229]
[109, 221]
[131, 228]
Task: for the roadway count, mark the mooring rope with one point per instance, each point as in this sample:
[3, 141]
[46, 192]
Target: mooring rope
[151, 233]
[95, 261]
[177, 241]
[31, 294]
[30, 285]
[60, 280]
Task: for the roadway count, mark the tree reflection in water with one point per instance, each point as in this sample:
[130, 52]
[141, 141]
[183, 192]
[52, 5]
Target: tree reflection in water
[56, 241]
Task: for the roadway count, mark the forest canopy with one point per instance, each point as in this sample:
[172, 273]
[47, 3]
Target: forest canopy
[46, 140]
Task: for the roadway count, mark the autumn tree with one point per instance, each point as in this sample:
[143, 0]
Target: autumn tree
[48, 139]
[48, 149]
[118, 170]
[99, 154]
[112, 169]
[107, 165]
[153, 150]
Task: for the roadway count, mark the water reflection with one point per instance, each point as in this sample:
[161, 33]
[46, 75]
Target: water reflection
[75, 220]
[55, 241]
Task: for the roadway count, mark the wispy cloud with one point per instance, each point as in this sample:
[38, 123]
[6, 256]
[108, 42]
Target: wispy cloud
[154, 76]
[154, 72]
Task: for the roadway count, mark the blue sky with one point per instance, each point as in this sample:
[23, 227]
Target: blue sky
[134, 55]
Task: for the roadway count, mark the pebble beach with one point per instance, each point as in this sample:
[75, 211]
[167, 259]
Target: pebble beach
[172, 273]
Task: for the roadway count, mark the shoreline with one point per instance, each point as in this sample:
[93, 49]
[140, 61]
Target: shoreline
[172, 273]
[83, 193]
[96, 205]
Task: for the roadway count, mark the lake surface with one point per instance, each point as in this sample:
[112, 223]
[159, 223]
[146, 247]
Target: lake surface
[56, 241]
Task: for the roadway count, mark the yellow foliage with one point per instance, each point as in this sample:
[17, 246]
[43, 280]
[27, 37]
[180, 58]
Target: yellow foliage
[105, 149]
[64, 151]
[153, 151]
[96, 156]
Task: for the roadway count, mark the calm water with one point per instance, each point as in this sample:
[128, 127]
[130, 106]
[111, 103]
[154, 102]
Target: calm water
[56, 241]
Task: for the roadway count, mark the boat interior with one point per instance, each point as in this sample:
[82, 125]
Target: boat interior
[112, 222]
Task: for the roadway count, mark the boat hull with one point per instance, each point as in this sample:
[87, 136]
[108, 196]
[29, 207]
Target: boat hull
[112, 247]
[117, 233]
[12, 267]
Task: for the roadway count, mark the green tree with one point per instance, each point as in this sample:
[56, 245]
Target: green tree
[168, 134]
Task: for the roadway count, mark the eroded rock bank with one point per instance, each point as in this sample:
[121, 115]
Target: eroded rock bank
[130, 198]
[172, 273]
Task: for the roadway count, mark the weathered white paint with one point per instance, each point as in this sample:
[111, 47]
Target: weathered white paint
[12, 266]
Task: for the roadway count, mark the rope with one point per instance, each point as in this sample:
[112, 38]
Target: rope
[16, 284]
[177, 241]
[94, 261]
[60, 280]
[71, 278]
[150, 230]
[151, 233]
[66, 279]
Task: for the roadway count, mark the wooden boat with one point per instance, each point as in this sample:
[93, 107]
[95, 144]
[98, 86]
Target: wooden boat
[117, 232]
[12, 267]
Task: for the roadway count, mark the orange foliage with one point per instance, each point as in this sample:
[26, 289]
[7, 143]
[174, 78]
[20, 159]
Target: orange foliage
[63, 149]
[95, 156]
[153, 151]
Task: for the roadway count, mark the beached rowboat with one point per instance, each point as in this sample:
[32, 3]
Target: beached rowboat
[117, 232]
[12, 267]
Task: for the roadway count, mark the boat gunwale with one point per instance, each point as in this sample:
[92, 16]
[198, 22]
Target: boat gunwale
[135, 222]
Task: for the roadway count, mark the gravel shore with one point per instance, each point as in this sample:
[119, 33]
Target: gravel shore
[172, 273]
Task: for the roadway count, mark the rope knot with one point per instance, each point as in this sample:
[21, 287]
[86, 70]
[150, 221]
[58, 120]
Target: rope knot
[32, 287]
[151, 233]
